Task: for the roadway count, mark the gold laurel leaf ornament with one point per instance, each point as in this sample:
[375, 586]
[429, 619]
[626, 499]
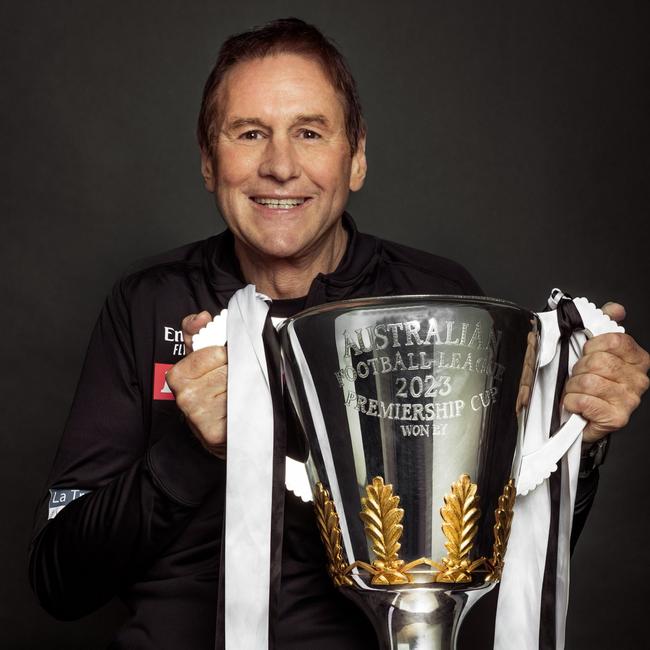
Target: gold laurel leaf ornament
[460, 514]
[330, 532]
[382, 516]
[503, 523]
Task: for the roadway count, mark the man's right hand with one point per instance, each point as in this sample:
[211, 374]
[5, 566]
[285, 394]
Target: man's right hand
[199, 383]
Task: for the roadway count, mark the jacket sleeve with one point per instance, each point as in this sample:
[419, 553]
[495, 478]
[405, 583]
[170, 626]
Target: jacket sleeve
[136, 497]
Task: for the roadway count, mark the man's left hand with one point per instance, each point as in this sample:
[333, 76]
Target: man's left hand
[607, 382]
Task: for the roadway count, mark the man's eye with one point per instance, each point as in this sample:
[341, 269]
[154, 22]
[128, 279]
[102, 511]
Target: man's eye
[251, 135]
[308, 134]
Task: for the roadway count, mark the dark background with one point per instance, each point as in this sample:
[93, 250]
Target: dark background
[512, 136]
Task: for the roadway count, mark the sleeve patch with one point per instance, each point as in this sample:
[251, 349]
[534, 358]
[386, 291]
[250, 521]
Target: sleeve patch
[60, 498]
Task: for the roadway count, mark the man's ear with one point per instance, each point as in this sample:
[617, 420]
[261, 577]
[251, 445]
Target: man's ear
[207, 171]
[359, 166]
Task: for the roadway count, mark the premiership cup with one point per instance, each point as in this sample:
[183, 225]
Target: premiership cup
[414, 411]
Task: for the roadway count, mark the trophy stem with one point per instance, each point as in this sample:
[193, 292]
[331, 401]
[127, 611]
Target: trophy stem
[417, 618]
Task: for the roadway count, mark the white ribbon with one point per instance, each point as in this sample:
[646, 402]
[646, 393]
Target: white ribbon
[249, 477]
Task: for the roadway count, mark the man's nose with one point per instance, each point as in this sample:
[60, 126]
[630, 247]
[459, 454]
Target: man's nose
[280, 160]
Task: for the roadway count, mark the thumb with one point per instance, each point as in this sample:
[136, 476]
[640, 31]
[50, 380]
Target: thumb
[191, 325]
[614, 310]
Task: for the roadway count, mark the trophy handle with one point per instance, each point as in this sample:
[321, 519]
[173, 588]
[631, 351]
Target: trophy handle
[538, 465]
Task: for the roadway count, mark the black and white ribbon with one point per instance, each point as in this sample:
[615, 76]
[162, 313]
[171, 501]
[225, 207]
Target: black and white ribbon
[249, 477]
[534, 590]
[251, 561]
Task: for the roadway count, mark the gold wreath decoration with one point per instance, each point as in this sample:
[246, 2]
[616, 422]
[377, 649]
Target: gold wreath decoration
[460, 515]
[503, 523]
[382, 516]
[330, 532]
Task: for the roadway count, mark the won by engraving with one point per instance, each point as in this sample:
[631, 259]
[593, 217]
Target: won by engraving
[426, 429]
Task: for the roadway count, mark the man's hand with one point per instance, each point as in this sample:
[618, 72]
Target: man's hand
[608, 380]
[199, 383]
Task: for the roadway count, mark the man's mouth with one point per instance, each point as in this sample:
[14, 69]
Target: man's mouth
[282, 204]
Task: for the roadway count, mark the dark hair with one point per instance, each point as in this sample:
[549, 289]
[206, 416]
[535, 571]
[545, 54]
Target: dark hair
[286, 35]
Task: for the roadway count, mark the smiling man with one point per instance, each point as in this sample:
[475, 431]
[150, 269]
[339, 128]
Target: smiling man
[281, 166]
[140, 470]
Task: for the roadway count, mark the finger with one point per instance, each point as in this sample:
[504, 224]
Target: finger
[614, 310]
[202, 362]
[216, 381]
[191, 325]
[206, 387]
[605, 364]
[203, 411]
[523, 398]
[611, 367]
[621, 345]
[197, 364]
[209, 426]
[618, 395]
[601, 416]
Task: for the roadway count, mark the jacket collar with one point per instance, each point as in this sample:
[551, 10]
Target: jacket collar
[356, 268]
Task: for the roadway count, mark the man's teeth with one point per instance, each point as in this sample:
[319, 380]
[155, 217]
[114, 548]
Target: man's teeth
[279, 203]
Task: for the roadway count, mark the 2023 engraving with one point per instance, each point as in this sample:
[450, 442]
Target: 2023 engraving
[415, 387]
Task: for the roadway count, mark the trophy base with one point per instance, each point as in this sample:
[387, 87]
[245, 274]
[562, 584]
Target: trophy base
[407, 617]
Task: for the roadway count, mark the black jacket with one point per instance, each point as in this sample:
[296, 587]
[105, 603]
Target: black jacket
[148, 528]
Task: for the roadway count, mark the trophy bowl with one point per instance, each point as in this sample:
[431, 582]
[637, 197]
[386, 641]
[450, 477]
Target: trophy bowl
[413, 408]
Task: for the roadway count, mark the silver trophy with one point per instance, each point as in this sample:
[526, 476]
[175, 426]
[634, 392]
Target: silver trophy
[414, 411]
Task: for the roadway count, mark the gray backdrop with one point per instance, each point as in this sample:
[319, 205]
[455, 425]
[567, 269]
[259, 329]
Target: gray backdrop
[510, 136]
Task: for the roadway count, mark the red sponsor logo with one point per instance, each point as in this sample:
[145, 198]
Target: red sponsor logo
[161, 390]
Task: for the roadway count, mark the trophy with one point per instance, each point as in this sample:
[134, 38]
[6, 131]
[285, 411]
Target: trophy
[414, 410]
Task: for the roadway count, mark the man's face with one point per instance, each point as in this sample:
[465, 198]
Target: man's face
[281, 167]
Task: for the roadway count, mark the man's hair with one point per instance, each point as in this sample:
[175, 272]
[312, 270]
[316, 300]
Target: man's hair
[283, 36]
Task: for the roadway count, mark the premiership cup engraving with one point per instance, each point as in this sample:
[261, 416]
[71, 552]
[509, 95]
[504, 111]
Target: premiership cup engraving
[413, 412]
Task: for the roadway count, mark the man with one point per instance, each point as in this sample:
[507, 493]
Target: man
[136, 504]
